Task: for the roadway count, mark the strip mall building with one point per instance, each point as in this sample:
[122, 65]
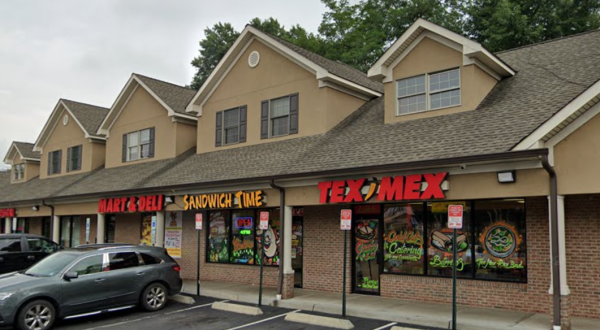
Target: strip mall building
[438, 120]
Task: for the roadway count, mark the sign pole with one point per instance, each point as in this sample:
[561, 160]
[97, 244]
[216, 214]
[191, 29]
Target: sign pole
[344, 278]
[264, 226]
[454, 247]
[198, 267]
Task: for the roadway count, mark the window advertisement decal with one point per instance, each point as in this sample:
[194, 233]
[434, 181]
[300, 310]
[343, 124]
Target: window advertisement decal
[403, 241]
[439, 252]
[242, 244]
[365, 254]
[272, 241]
[218, 237]
[146, 232]
[174, 234]
[500, 232]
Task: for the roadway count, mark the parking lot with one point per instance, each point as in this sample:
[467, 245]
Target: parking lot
[178, 316]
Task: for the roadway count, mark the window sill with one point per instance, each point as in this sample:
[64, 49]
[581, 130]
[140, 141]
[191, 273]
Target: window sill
[136, 160]
[427, 111]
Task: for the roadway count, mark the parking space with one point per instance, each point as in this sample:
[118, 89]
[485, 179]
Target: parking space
[201, 316]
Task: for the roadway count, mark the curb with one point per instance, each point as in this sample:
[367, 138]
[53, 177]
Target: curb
[235, 308]
[323, 321]
[402, 328]
[182, 299]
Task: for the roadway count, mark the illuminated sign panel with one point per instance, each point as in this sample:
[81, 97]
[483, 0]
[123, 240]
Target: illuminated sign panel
[240, 199]
[150, 203]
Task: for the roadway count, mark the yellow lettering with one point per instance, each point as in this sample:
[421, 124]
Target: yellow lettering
[222, 201]
[238, 196]
[204, 201]
[228, 200]
[259, 198]
[185, 203]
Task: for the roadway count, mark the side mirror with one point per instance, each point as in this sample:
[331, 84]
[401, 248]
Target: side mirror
[70, 275]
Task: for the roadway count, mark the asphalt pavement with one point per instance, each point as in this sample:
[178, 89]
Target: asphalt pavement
[199, 316]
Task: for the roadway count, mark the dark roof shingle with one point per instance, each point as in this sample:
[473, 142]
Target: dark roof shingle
[26, 150]
[90, 116]
[175, 96]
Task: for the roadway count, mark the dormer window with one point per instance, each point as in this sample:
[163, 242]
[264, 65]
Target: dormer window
[428, 92]
[138, 145]
[19, 171]
[54, 162]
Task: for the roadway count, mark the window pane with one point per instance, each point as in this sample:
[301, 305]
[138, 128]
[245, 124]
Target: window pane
[231, 118]
[145, 150]
[132, 140]
[242, 251]
[10, 244]
[122, 260]
[412, 104]
[145, 136]
[231, 135]
[280, 107]
[41, 245]
[218, 237]
[133, 153]
[439, 251]
[403, 240]
[445, 99]
[89, 265]
[444, 80]
[500, 249]
[280, 126]
[272, 242]
[149, 259]
[409, 86]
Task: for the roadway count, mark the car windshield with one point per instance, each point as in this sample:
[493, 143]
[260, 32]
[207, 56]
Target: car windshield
[51, 265]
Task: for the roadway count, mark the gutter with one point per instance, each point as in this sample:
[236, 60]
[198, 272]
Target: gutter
[282, 236]
[554, 242]
[421, 164]
[51, 218]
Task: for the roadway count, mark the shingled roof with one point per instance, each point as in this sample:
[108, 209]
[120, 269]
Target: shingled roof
[26, 150]
[175, 96]
[90, 116]
[549, 76]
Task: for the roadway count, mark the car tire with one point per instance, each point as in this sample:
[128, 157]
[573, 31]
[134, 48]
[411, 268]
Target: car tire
[36, 315]
[154, 297]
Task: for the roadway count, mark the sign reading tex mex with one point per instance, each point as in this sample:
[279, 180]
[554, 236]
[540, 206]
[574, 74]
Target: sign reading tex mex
[410, 187]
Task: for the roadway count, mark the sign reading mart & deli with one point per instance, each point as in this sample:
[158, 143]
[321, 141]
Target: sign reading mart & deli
[240, 199]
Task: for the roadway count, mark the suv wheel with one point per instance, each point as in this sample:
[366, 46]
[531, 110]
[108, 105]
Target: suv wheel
[154, 297]
[36, 315]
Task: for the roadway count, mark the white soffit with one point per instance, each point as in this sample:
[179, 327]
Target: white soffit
[472, 51]
[237, 49]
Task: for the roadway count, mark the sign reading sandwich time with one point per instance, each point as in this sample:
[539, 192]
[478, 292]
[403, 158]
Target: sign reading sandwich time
[240, 199]
[150, 203]
[409, 187]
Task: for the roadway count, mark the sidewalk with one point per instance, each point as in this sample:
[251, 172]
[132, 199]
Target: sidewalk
[412, 312]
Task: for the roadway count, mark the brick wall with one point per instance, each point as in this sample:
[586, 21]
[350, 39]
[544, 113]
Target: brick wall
[582, 234]
[127, 228]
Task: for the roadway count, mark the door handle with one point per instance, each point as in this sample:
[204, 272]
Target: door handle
[100, 280]
[30, 257]
[140, 274]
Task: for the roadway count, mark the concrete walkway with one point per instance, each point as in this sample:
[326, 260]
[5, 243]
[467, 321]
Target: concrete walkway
[412, 312]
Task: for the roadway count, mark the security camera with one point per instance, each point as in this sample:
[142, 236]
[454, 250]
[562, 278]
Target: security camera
[463, 166]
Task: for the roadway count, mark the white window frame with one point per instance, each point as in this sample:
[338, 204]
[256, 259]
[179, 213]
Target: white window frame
[138, 145]
[428, 93]
[224, 128]
[289, 122]
[19, 172]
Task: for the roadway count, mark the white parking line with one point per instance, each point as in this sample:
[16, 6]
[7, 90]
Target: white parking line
[149, 317]
[387, 326]
[262, 321]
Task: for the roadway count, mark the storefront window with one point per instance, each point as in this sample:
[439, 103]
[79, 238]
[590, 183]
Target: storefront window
[500, 248]
[146, 236]
[440, 239]
[242, 238]
[218, 236]
[403, 240]
[272, 241]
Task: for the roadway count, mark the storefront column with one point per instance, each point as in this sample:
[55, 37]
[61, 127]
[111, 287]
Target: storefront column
[56, 229]
[159, 240]
[564, 287]
[288, 271]
[100, 228]
[7, 225]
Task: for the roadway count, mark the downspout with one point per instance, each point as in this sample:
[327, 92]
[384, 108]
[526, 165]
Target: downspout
[282, 234]
[51, 218]
[554, 244]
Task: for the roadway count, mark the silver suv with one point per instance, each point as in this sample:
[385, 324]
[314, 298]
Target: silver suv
[87, 280]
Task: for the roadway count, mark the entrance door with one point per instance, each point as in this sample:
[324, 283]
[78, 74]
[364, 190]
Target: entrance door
[365, 230]
[70, 231]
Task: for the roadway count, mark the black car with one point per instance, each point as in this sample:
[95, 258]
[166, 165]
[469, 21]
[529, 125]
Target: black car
[21, 251]
[88, 280]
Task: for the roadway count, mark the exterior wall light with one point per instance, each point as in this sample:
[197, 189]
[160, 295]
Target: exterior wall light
[507, 176]
[35, 208]
[169, 200]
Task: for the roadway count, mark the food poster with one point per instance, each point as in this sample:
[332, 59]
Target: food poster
[365, 254]
[297, 242]
[218, 237]
[174, 234]
[272, 240]
[500, 250]
[242, 244]
[146, 236]
[403, 240]
[439, 252]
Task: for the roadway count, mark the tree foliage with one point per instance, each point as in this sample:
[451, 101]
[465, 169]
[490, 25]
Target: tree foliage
[358, 34]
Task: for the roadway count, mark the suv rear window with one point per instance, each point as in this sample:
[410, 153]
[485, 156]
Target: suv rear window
[10, 244]
[121, 260]
[150, 259]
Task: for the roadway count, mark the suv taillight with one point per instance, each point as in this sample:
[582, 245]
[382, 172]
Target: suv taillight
[177, 268]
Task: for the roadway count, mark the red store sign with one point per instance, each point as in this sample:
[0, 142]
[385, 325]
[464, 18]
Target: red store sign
[7, 213]
[150, 203]
[397, 188]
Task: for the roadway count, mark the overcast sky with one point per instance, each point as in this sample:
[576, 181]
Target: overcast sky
[86, 50]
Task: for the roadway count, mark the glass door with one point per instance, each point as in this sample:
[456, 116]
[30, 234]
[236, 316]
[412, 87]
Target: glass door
[70, 231]
[297, 252]
[365, 232]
